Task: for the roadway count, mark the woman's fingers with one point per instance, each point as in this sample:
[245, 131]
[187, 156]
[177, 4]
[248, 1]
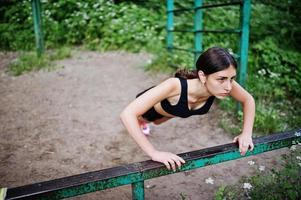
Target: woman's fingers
[251, 147]
[166, 163]
[178, 160]
[172, 163]
[179, 163]
[181, 160]
[170, 160]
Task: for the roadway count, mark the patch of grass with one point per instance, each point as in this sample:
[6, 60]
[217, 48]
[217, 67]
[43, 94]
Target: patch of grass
[183, 196]
[276, 184]
[29, 61]
[61, 53]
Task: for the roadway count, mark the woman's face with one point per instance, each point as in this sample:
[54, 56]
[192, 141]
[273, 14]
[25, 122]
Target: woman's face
[219, 84]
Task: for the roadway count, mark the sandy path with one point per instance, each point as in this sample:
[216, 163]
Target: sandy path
[65, 122]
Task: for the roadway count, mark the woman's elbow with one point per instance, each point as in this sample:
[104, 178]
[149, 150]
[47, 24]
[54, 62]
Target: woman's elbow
[123, 115]
[126, 114]
[249, 101]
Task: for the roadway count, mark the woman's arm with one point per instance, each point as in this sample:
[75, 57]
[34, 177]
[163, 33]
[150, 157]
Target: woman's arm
[248, 104]
[139, 106]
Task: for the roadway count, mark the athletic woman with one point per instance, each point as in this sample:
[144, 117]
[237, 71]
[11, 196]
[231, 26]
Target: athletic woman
[189, 93]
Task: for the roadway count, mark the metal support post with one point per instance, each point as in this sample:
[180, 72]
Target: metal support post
[170, 19]
[138, 190]
[245, 12]
[37, 20]
[198, 26]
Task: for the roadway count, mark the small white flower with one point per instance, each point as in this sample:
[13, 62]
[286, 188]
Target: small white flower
[230, 51]
[251, 162]
[85, 16]
[298, 134]
[273, 75]
[247, 186]
[262, 72]
[298, 157]
[210, 181]
[293, 148]
[261, 168]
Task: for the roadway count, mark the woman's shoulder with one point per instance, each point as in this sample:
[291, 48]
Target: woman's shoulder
[172, 82]
[172, 85]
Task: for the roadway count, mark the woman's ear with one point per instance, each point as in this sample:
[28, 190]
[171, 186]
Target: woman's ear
[202, 76]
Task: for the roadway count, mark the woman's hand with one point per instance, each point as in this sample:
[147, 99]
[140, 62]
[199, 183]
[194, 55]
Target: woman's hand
[170, 160]
[245, 142]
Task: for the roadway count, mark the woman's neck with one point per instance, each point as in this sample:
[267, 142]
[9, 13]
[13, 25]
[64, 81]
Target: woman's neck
[197, 90]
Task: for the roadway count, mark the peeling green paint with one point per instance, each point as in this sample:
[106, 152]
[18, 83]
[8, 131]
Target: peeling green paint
[138, 190]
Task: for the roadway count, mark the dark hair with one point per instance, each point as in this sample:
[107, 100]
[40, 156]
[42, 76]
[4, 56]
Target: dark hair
[212, 60]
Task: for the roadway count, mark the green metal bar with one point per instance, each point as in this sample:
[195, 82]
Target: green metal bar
[138, 190]
[37, 20]
[244, 40]
[238, 31]
[187, 50]
[207, 6]
[136, 173]
[198, 26]
[219, 5]
[170, 19]
[245, 12]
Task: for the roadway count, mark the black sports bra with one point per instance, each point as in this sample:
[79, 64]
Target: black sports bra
[181, 109]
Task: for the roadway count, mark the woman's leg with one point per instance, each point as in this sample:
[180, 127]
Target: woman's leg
[144, 124]
[161, 120]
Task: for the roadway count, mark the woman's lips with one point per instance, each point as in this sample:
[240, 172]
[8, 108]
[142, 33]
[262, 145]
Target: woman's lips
[224, 94]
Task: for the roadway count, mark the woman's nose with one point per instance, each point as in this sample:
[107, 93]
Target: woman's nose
[228, 86]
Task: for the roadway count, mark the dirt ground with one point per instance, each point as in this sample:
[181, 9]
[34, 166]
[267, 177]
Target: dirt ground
[66, 121]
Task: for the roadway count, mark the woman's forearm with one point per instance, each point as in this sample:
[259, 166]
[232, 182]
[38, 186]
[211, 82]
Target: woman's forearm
[248, 116]
[131, 124]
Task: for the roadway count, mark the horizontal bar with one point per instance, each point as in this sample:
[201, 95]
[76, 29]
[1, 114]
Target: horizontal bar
[219, 5]
[136, 172]
[206, 6]
[236, 56]
[183, 49]
[207, 31]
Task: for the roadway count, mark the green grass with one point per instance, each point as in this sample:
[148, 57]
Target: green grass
[275, 184]
[29, 61]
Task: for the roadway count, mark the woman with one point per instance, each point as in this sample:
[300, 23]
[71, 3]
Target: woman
[189, 93]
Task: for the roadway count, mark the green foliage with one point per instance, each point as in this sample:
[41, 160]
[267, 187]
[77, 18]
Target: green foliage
[277, 66]
[278, 19]
[271, 185]
[97, 24]
[29, 61]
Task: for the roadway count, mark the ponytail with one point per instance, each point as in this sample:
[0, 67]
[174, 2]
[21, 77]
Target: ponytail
[186, 74]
